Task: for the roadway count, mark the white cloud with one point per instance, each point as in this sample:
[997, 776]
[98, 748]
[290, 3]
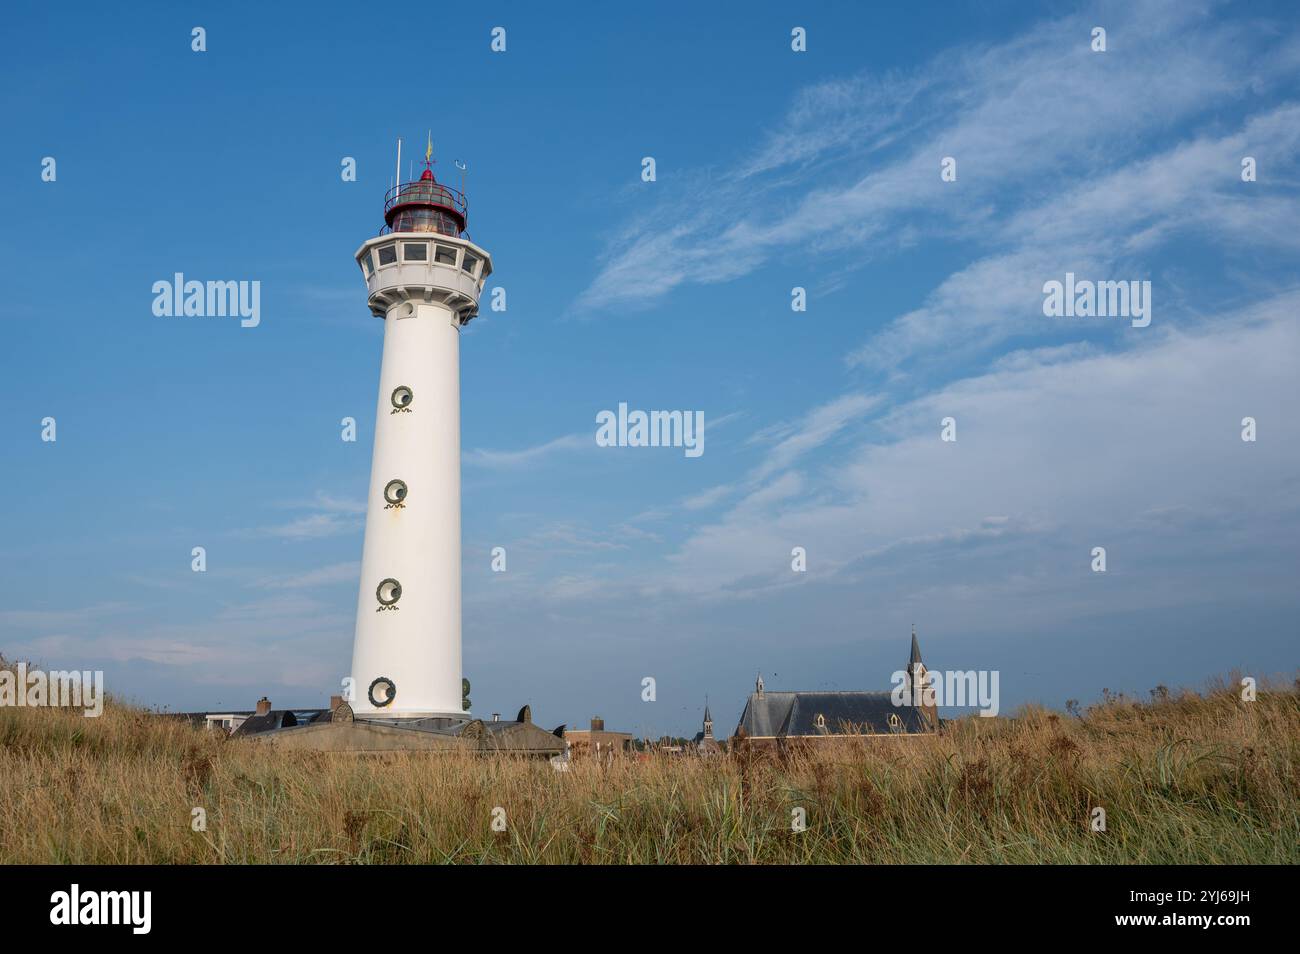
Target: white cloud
[504, 460]
[333, 516]
[311, 527]
[706, 499]
[46, 618]
[1095, 230]
[818, 427]
[333, 575]
[831, 179]
[1074, 446]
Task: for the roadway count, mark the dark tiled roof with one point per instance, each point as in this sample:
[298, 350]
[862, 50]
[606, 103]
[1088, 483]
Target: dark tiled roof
[842, 713]
[200, 718]
[275, 719]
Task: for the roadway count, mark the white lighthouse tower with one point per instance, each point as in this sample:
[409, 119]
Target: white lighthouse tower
[424, 278]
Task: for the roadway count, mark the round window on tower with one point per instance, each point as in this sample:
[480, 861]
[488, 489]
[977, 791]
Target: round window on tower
[402, 397]
[389, 591]
[395, 491]
[382, 692]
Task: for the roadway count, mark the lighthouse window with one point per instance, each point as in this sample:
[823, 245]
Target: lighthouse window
[382, 692]
[470, 263]
[389, 592]
[415, 252]
[395, 491]
[445, 255]
[387, 254]
[367, 264]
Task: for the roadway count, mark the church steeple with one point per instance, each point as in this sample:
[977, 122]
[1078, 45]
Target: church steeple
[705, 743]
[918, 679]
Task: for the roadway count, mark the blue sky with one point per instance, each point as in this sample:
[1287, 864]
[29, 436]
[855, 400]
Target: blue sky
[775, 169]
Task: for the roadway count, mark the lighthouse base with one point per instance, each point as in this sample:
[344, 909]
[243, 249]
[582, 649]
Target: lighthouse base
[361, 735]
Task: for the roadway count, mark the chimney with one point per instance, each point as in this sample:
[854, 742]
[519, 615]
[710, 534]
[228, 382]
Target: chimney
[263, 706]
[496, 717]
[597, 724]
[335, 702]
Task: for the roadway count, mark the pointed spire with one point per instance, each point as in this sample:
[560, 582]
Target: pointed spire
[758, 684]
[916, 650]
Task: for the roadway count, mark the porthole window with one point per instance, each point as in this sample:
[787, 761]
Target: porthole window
[388, 592]
[415, 252]
[445, 255]
[367, 264]
[402, 397]
[387, 254]
[395, 491]
[382, 692]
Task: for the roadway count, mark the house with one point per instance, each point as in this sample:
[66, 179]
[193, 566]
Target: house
[597, 741]
[228, 722]
[245, 722]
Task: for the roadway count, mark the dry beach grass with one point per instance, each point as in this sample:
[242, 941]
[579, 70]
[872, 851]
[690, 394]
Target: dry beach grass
[1194, 778]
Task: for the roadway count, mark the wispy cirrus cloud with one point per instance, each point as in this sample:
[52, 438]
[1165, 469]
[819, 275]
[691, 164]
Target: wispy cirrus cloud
[310, 527]
[817, 427]
[52, 618]
[854, 169]
[1062, 447]
[335, 574]
[1074, 446]
[331, 516]
[508, 459]
[1102, 226]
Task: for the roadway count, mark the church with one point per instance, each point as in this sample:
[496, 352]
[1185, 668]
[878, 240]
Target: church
[773, 718]
[705, 744]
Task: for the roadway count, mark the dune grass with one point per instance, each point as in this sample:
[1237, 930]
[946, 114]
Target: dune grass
[1194, 778]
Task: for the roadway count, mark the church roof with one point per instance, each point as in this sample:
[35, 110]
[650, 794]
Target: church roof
[777, 714]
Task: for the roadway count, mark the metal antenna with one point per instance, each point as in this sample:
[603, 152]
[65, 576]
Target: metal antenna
[399, 160]
[462, 167]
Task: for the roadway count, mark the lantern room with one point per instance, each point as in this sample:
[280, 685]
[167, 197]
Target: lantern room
[425, 206]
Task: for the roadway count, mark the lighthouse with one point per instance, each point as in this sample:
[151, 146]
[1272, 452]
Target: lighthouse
[423, 279]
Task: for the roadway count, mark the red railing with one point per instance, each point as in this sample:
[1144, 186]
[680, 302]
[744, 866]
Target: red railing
[426, 192]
